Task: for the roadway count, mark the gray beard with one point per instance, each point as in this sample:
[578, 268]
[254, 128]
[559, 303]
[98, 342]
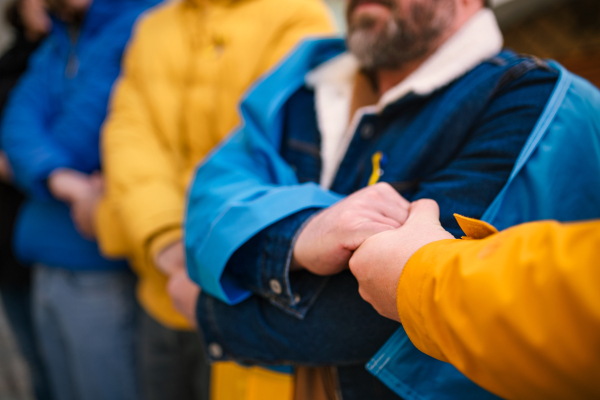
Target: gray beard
[402, 40]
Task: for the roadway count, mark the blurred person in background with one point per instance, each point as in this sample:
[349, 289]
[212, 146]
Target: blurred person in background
[188, 64]
[83, 304]
[420, 98]
[30, 24]
[516, 311]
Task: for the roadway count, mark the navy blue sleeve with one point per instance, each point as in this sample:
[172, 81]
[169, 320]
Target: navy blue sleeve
[340, 329]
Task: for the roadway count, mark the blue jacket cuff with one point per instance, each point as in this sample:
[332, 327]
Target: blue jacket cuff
[239, 225]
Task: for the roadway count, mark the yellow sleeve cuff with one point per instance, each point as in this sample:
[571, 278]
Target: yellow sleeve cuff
[112, 238]
[409, 297]
[164, 239]
[419, 278]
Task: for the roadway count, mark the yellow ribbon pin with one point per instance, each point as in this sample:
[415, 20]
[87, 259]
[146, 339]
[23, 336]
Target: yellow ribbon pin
[377, 173]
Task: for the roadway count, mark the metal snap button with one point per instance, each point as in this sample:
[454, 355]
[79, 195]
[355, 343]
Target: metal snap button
[275, 286]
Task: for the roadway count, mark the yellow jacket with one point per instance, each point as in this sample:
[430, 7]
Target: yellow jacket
[517, 312]
[185, 70]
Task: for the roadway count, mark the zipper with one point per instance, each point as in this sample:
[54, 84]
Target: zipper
[72, 65]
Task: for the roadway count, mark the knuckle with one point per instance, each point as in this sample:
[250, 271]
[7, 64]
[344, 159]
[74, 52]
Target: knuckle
[373, 195]
[429, 202]
[345, 217]
[385, 187]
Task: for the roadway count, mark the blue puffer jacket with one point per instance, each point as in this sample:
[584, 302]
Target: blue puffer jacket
[53, 120]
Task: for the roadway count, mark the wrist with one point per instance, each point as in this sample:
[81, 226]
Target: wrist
[295, 265]
[171, 259]
[297, 245]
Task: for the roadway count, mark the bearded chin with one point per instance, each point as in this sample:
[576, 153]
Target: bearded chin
[373, 47]
[400, 40]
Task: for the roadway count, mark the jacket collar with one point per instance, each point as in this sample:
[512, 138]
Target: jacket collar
[478, 40]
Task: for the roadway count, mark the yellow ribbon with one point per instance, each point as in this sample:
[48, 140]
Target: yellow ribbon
[377, 171]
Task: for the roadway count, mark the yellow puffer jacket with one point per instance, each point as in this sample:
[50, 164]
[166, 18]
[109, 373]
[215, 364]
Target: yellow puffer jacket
[186, 67]
[185, 70]
[517, 312]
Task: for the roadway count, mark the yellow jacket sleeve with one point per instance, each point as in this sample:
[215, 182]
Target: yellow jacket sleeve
[518, 312]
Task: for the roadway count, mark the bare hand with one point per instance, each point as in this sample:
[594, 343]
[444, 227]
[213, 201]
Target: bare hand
[83, 193]
[184, 294]
[171, 259]
[380, 260]
[325, 245]
[83, 209]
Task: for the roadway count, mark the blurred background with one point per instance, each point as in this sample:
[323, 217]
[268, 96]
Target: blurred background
[565, 30]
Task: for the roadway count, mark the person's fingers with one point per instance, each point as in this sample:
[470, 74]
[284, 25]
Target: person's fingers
[381, 218]
[367, 230]
[390, 194]
[424, 210]
[385, 199]
[97, 182]
[392, 211]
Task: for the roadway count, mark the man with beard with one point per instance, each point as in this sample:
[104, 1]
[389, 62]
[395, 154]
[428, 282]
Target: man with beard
[83, 304]
[425, 104]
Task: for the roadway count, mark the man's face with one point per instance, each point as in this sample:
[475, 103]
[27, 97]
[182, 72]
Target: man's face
[386, 34]
[69, 10]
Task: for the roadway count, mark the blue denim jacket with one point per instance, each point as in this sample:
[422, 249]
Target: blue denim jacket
[457, 146]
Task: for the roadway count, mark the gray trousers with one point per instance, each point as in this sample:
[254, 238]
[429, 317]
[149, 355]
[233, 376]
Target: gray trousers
[173, 364]
[85, 323]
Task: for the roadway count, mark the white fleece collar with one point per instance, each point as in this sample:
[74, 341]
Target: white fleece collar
[478, 40]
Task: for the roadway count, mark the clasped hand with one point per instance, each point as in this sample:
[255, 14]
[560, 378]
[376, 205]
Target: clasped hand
[379, 262]
[374, 232]
[182, 291]
[327, 242]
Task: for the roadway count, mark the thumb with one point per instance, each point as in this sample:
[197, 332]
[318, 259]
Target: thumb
[424, 211]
